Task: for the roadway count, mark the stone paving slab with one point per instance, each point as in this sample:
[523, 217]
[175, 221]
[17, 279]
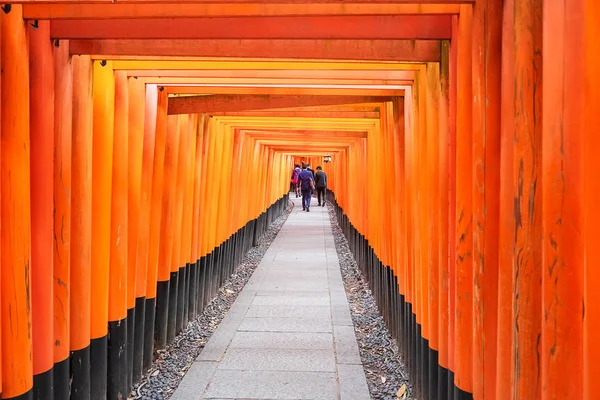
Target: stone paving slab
[289, 335]
[229, 384]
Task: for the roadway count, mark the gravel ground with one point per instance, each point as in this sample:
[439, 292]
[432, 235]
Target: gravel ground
[172, 363]
[386, 373]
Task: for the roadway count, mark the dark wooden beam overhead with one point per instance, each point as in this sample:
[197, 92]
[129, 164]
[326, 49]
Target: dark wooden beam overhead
[367, 50]
[392, 27]
[233, 103]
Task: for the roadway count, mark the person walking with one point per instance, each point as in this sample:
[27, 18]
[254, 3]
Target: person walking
[295, 183]
[307, 186]
[321, 184]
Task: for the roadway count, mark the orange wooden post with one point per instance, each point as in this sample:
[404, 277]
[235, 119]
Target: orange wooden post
[0, 210]
[195, 242]
[163, 303]
[81, 227]
[188, 214]
[507, 195]
[135, 146]
[17, 363]
[443, 187]
[591, 233]
[486, 185]
[176, 290]
[527, 212]
[463, 349]
[102, 166]
[563, 113]
[63, 122]
[452, 120]
[141, 277]
[117, 301]
[41, 75]
[155, 246]
[432, 167]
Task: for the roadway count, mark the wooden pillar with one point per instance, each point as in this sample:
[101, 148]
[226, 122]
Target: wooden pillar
[563, 200]
[487, 52]
[17, 363]
[507, 222]
[463, 348]
[41, 75]
[591, 233]
[149, 133]
[117, 300]
[63, 122]
[136, 95]
[155, 245]
[81, 227]
[443, 183]
[102, 166]
[166, 231]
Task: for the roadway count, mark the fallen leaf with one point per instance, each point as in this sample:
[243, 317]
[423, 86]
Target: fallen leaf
[383, 379]
[155, 373]
[401, 394]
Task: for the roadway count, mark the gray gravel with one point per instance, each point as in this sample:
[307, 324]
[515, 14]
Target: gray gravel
[384, 368]
[172, 363]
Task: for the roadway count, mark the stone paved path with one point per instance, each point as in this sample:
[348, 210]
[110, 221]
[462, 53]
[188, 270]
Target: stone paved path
[289, 334]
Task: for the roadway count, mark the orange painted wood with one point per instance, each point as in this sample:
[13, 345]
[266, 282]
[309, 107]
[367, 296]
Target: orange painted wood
[148, 149]
[452, 134]
[102, 166]
[237, 103]
[81, 203]
[135, 146]
[486, 63]
[245, 2]
[159, 164]
[380, 50]
[563, 197]
[463, 349]
[17, 363]
[332, 75]
[118, 285]
[299, 114]
[307, 90]
[41, 103]
[169, 188]
[443, 179]
[63, 136]
[591, 233]
[527, 212]
[507, 221]
[127, 10]
[393, 27]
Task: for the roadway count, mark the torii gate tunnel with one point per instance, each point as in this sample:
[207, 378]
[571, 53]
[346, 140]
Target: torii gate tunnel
[147, 145]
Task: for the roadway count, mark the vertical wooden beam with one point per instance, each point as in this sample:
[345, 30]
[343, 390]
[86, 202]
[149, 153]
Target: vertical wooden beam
[41, 73]
[155, 245]
[118, 285]
[102, 166]
[507, 222]
[563, 199]
[591, 234]
[17, 364]
[81, 227]
[135, 146]
[149, 136]
[527, 211]
[63, 123]
[464, 209]
[486, 61]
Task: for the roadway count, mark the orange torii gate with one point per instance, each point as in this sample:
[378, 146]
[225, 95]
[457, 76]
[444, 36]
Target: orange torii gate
[118, 192]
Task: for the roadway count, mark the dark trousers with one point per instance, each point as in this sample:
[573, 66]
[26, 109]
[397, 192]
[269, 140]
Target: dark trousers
[306, 195]
[321, 193]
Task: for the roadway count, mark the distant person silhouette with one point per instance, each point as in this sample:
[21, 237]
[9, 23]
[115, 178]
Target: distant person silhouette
[306, 186]
[321, 184]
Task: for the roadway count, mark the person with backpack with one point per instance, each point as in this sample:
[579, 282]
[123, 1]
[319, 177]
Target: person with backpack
[321, 184]
[307, 185]
[295, 184]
